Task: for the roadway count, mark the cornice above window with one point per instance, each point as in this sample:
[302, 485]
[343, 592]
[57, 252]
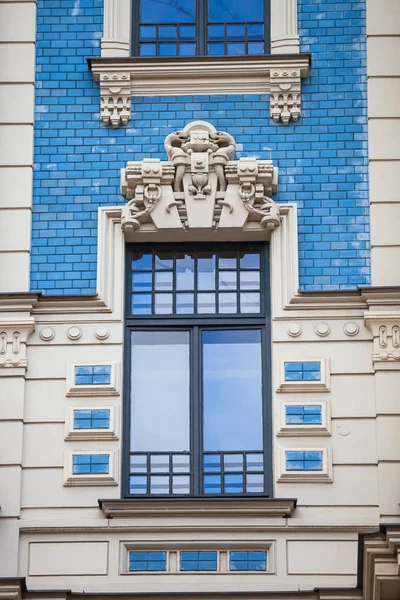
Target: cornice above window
[221, 507]
[277, 75]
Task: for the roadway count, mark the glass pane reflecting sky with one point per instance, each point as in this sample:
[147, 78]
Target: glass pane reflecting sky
[160, 387]
[167, 11]
[232, 393]
[235, 10]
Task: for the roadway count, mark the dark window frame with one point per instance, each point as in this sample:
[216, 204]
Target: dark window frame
[201, 23]
[195, 324]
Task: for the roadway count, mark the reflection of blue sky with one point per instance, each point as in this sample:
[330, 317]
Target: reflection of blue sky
[235, 10]
[167, 11]
[160, 391]
[232, 394]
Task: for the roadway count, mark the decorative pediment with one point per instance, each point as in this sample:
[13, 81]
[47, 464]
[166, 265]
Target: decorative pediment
[200, 187]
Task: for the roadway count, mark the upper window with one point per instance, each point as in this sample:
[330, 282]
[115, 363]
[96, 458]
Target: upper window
[200, 27]
[197, 421]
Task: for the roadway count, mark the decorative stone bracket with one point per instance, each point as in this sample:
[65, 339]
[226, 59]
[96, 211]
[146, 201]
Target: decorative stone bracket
[385, 328]
[200, 187]
[278, 75]
[13, 336]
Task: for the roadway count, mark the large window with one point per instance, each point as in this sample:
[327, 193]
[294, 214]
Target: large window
[200, 27]
[198, 420]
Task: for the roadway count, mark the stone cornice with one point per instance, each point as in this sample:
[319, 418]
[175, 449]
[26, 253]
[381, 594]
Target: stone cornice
[277, 74]
[203, 507]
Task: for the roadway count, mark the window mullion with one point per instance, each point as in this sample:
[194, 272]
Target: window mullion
[201, 26]
[195, 414]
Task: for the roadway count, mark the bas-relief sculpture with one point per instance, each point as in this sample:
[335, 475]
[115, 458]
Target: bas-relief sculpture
[201, 186]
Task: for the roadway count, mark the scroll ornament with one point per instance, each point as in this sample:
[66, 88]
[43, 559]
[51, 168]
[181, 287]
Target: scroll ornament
[200, 186]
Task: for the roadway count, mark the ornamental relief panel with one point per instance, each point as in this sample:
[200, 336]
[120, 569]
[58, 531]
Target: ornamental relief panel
[200, 186]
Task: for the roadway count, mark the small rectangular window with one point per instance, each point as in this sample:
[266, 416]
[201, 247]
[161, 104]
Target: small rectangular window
[91, 419]
[304, 460]
[90, 464]
[147, 561]
[303, 415]
[248, 560]
[93, 375]
[198, 561]
[302, 371]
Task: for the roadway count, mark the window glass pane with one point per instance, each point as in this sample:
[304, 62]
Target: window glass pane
[187, 49]
[184, 272]
[215, 49]
[187, 33]
[227, 303]
[167, 11]
[141, 304]
[235, 32]
[232, 396]
[255, 48]
[167, 49]
[216, 32]
[206, 271]
[166, 32]
[148, 50]
[255, 31]
[235, 10]
[148, 33]
[236, 48]
[141, 282]
[163, 304]
[160, 391]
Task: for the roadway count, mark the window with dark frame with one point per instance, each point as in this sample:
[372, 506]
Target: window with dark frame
[200, 27]
[197, 419]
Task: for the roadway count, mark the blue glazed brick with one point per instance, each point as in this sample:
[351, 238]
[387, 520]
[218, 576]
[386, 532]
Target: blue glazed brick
[322, 159]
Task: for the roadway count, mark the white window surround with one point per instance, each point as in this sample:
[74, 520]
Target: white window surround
[324, 476]
[91, 435]
[92, 390]
[307, 430]
[320, 385]
[90, 479]
[116, 40]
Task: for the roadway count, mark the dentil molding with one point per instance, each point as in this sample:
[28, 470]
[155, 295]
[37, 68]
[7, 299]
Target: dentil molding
[277, 75]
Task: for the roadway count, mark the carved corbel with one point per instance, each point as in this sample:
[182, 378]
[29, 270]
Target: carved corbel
[385, 328]
[285, 88]
[115, 91]
[13, 337]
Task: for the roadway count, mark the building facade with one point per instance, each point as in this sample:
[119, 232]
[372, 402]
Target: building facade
[199, 299]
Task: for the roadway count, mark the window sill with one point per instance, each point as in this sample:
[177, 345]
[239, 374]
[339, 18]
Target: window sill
[199, 507]
[276, 74]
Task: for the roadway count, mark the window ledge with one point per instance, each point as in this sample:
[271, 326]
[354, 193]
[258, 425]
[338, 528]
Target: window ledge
[279, 75]
[199, 507]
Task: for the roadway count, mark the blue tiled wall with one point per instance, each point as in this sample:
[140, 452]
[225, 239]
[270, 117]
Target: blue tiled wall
[322, 159]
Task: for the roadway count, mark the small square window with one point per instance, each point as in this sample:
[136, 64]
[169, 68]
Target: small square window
[92, 419]
[306, 460]
[93, 375]
[92, 379]
[303, 375]
[90, 464]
